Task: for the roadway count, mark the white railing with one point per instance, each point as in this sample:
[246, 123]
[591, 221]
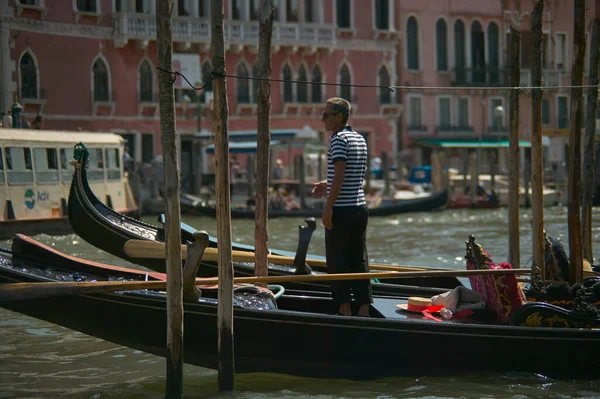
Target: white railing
[551, 77]
[139, 26]
[525, 78]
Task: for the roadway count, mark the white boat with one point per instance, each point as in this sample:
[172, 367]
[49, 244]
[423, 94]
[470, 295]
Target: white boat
[35, 176]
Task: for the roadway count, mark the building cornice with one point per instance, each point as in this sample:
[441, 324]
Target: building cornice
[57, 28]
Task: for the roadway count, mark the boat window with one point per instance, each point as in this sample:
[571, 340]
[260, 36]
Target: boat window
[2, 181]
[113, 164]
[66, 170]
[46, 165]
[95, 164]
[18, 165]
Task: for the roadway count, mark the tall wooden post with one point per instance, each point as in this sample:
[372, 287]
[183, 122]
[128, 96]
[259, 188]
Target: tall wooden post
[513, 150]
[537, 169]
[263, 124]
[225, 356]
[168, 136]
[385, 167]
[589, 145]
[574, 207]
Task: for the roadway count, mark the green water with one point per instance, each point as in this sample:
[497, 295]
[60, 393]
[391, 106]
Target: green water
[41, 360]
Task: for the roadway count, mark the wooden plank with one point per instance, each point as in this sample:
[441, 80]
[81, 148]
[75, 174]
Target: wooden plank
[513, 150]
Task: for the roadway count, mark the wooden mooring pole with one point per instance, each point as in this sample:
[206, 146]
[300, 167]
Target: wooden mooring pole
[513, 150]
[168, 135]
[574, 188]
[225, 356]
[589, 143]
[263, 126]
[537, 169]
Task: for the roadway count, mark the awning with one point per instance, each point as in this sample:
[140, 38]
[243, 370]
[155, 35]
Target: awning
[248, 135]
[239, 147]
[468, 143]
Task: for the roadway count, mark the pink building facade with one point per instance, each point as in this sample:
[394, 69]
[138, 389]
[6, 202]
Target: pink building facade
[91, 65]
[461, 47]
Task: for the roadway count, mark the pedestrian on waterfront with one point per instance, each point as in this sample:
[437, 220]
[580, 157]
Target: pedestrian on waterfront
[345, 215]
[278, 170]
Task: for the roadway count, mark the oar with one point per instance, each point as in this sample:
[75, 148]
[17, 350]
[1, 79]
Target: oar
[15, 291]
[156, 250]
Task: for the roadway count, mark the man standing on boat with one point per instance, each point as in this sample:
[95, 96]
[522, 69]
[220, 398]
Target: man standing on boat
[345, 215]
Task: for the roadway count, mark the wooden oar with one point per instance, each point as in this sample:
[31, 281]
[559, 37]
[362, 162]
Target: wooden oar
[14, 291]
[156, 250]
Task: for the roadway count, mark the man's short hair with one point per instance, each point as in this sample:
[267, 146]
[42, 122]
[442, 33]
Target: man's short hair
[341, 106]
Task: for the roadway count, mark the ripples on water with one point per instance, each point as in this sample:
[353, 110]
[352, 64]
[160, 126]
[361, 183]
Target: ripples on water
[38, 359]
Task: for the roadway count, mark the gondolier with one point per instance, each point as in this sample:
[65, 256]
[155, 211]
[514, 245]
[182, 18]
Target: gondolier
[345, 215]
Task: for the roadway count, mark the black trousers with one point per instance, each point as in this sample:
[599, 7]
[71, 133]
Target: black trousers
[346, 252]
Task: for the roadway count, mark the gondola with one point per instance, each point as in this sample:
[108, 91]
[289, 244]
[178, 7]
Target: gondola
[297, 334]
[109, 230]
[433, 202]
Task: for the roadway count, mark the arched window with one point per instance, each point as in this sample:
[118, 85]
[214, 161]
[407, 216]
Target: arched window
[441, 42]
[301, 88]
[288, 95]
[345, 80]
[385, 96]
[478, 52]
[343, 14]
[493, 59]
[412, 43]
[243, 86]
[459, 52]
[29, 84]
[146, 82]
[100, 72]
[316, 86]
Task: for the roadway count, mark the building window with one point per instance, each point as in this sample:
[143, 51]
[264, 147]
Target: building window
[243, 86]
[415, 116]
[462, 111]
[100, 81]
[478, 52]
[311, 12]
[204, 8]
[316, 86]
[236, 9]
[441, 43]
[545, 111]
[459, 52]
[497, 121]
[382, 14]
[444, 121]
[147, 147]
[345, 81]
[291, 10]
[28, 2]
[255, 73]
[183, 9]
[254, 13]
[561, 51]
[385, 96]
[206, 80]
[29, 84]
[343, 13]
[87, 5]
[301, 86]
[288, 95]
[563, 112]
[142, 6]
[412, 43]
[146, 82]
[493, 58]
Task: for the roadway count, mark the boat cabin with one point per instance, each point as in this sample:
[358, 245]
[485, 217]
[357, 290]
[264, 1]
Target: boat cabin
[35, 172]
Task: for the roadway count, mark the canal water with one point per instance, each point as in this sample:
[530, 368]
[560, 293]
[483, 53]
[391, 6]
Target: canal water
[42, 360]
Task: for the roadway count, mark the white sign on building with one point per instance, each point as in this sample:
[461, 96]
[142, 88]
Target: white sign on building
[189, 66]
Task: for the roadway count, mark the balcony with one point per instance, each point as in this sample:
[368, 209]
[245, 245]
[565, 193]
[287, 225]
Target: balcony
[142, 28]
[498, 130]
[416, 129]
[479, 77]
[551, 77]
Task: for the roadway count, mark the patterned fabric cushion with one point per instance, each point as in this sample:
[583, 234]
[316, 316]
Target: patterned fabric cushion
[500, 293]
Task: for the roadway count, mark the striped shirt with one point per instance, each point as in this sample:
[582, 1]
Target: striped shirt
[347, 145]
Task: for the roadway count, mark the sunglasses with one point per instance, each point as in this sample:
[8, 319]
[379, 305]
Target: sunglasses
[327, 115]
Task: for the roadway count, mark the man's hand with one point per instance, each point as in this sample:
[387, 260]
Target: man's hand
[327, 217]
[319, 189]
